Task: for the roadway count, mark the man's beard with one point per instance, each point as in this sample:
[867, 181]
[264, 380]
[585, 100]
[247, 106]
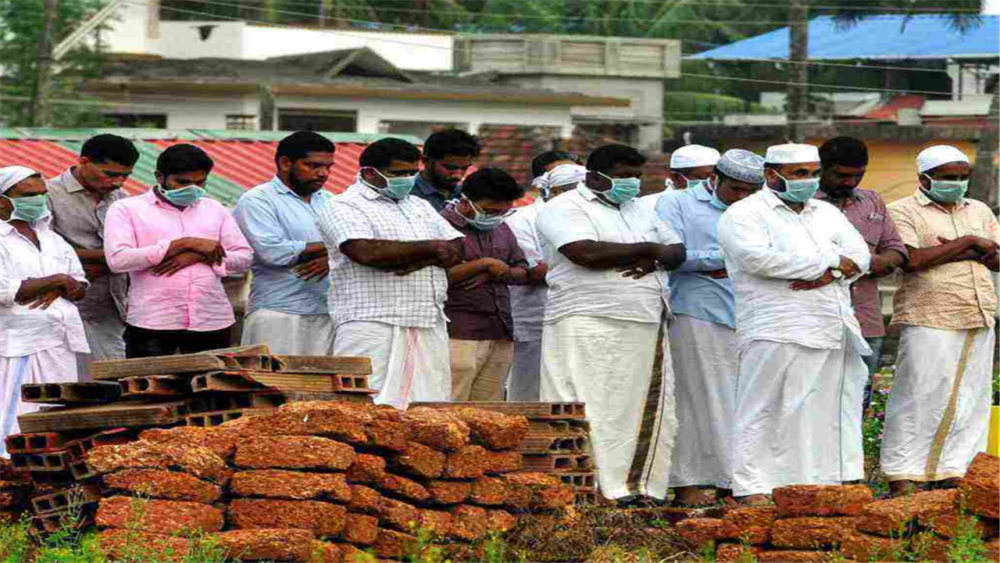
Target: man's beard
[839, 192]
[303, 187]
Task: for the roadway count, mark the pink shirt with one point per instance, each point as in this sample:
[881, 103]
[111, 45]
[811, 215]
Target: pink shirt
[137, 233]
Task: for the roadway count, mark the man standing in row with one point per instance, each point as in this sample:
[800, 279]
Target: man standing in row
[448, 155]
[527, 302]
[938, 413]
[176, 245]
[605, 314]
[80, 198]
[478, 305]
[844, 161]
[41, 333]
[389, 255]
[288, 296]
[703, 340]
[792, 260]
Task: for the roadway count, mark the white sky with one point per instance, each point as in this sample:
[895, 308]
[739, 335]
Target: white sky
[992, 7]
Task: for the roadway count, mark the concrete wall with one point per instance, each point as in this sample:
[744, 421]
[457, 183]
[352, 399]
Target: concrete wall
[190, 113]
[182, 40]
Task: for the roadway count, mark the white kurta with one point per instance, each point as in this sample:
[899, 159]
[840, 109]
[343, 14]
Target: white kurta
[608, 364]
[798, 417]
[938, 415]
[408, 363]
[285, 333]
[706, 364]
[53, 365]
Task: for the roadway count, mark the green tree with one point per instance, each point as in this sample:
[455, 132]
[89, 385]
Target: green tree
[20, 25]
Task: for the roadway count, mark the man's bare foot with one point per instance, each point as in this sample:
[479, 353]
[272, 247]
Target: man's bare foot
[755, 500]
[902, 488]
[693, 497]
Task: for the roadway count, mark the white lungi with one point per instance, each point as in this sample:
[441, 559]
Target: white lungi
[54, 365]
[706, 369]
[798, 416]
[106, 338]
[608, 364]
[523, 383]
[285, 333]
[408, 363]
[939, 408]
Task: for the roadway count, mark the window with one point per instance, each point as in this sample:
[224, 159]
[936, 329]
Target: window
[241, 122]
[333, 121]
[137, 120]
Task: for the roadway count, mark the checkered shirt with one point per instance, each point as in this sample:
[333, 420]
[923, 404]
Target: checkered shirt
[362, 293]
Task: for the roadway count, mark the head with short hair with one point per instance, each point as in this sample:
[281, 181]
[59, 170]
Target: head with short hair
[391, 158]
[183, 165]
[448, 155]
[304, 159]
[491, 190]
[613, 161]
[106, 162]
[844, 161]
[549, 160]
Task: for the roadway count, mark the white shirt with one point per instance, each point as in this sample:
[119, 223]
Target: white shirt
[25, 331]
[574, 290]
[527, 302]
[651, 200]
[767, 246]
[363, 293]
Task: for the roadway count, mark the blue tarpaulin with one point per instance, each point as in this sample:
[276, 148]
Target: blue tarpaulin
[876, 37]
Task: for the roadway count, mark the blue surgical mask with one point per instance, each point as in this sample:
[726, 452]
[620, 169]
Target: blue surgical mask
[183, 197]
[798, 191]
[622, 190]
[395, 188]
[947, 191]
[482, 221]
[695, 184]
[717, 203]
[29, 208]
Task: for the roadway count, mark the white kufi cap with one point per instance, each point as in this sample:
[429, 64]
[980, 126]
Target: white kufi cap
[742, 165]
[932, 157]
[693, 156]
[792, 153]
[11, 176]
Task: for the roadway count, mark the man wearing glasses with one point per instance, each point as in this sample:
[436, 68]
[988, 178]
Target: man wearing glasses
[80, 198]
[481, 330]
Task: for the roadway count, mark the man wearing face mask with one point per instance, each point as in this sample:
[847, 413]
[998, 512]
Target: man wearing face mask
[792, 259]
[527, 302]
[478, 305]
[41, 279]
[938, 413]
[288, 297]
[389, 256]
[80, 198]
[703, 340]
[845, 160]
[176, 246]
[608, 255]
[448, 155]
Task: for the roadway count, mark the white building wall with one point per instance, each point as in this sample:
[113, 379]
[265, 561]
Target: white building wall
[190, 112]
[131, 30]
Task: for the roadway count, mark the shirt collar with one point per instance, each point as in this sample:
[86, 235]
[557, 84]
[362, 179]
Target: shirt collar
[155, 200]
[69, 180]
[454, 217]
[923, 199]
[283, 189]
[370, 194]
[702, 193]
[423, 186]
[42, 224]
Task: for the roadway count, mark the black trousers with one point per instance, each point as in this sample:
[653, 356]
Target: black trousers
[143, 342]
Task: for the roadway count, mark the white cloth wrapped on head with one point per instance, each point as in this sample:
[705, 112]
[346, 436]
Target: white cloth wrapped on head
[566, 174]
[11, 176]
[693, 156]
[938, 155]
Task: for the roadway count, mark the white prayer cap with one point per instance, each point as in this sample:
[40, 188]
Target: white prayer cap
[742, 165]
[791, 154]
[932, 157]
[693, 156]
[10, 176]
[566, 174]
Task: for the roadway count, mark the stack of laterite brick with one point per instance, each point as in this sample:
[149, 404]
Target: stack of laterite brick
[129, 396]
[557, 444]
[811, 522]
[16, 489]
[323, 481]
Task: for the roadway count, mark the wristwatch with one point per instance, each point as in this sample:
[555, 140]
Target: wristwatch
[837, 274]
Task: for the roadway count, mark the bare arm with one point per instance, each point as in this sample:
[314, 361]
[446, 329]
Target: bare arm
[470, 269]
[88, 256]
[313, 251]
[605, 255]
[885, 263]
[396, 255]
[964, 248]
[32, 289]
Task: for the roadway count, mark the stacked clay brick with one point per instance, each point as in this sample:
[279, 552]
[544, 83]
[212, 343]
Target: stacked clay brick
[15, 490]
[321, 481]
[808, 522]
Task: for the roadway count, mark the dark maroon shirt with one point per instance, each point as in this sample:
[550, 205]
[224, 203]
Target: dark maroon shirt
[483, 313]
[866, 210]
